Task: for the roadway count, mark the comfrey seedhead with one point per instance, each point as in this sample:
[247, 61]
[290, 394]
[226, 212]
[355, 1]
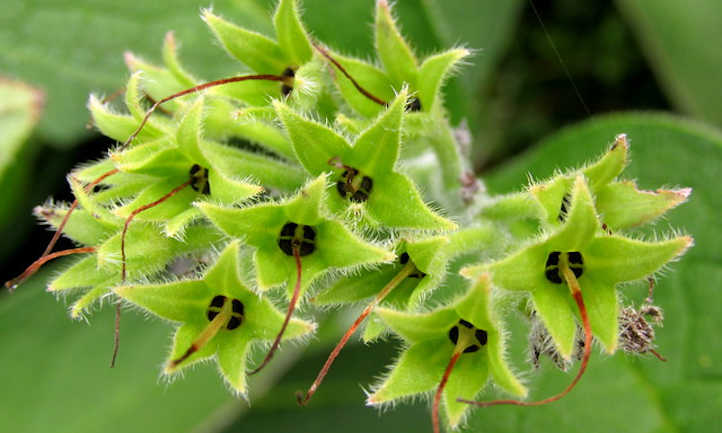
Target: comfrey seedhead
[326, 174]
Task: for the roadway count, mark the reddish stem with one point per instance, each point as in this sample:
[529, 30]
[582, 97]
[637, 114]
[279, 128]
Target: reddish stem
[116, 335]
[72, 207]
[41, 261]
[398, 278]
[132, 215]
[577, 294]
[358, 87]
[440, 390]
[266, 77]
[289, 313]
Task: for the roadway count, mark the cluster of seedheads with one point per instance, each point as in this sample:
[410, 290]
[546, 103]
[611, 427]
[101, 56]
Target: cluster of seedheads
[352, 184]
[297, 237]
[237, 311]
[479, 340]
[552, 270]
[299, 240]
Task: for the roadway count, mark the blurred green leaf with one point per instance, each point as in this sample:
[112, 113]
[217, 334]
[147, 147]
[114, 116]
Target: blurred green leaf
[71, 48]
[679, 40]
[56, 378]
[20, 107]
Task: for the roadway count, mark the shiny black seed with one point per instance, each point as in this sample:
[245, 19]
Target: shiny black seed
[367, 184]
[465, 323]
[289, 229]
[341, 188]
[359, 197]
[404, 258]
[237, 306]
[471, 349]
[414, 104]
[194, 169]
[481, 336]
[286, 89]
[575, 258]
[577, 272]
[309, 233]
[288, 72]
[553, 276]
[234, 322]
[553, 259]
[306, 248]
[218, 301]
[286, 246]
[211, 314]
[454, 334]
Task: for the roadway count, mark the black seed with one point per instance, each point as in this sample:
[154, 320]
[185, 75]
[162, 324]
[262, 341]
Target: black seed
[206, 188]
[465, 323]
[367, 184]
[553, 259]
[288, 72]
[414, 104]
[577, 272]
[286, 246]
[211, 314]
[218, 301]
[309, 233]
[481, 336]
[575, 258]
[194, 169]
[454, 334]
[404, 258]
[234, 322]
[341, 188]
[289, 230]
[553, 276]
[471, 349]
[566, 203]
[306, 249]
[237, 306]
[286, 89]
[359, 197]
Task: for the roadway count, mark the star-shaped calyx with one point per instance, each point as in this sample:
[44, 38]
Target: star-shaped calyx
[286, 56]
[620, 204]
[599, 262]
[219, 317]
[295, 241]
[364, 172]
[400, 68]
[453, 350]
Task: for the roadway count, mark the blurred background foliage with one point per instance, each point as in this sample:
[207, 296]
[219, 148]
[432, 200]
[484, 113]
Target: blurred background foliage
[623, 56]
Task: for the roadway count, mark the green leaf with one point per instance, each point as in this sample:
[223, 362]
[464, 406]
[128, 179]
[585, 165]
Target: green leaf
[434, 71]
[135, 374]
[292, 37]
[395, 53]
[260, 53]
[315, 144]
[418, 370]
[370, 77]
[676, 40]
